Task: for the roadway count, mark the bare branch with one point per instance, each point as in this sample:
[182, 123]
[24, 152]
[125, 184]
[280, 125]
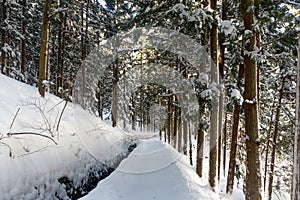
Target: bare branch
[13, 121]
[10, 151]
[61, 115]
[31, 133]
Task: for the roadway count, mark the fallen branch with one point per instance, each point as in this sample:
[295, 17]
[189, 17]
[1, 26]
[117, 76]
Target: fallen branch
[62, 112]
[13, 121]
[31, 133]
[10, 151]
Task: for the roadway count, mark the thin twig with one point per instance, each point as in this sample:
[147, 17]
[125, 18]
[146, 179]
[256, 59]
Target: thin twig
[10, 151]
[55, 106]
[31, 133]
[13, 121]
[62, 112]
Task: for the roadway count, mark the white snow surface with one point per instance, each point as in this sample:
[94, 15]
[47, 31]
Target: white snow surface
[36, 163]
[154, 170]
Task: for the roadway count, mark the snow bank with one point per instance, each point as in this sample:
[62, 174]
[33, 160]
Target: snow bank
[31, 165]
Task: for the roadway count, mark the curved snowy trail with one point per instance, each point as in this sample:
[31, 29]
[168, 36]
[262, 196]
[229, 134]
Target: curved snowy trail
[154, 170]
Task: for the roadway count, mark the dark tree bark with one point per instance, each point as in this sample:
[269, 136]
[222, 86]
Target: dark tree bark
[258, 42]
[200, 132]
[185, 136]
[179, 133]
[100, 99]
[295, 194]
[3, 39]
[253, 175]
[115, 93]
[23, 53]
[224, 143]
[213, 140]
[133, 111]
[190, 145]
[235, 127]
[43, 68]
[60, 52]
[221, 98]
[200, 142]
[274, 140]
[175, 128]
[268, 147]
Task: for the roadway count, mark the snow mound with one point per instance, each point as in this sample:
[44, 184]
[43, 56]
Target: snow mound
[154, 170]
[31, 165]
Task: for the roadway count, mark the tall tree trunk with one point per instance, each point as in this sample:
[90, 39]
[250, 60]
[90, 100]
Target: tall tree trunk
[175, 127]
[200, 132]
[23, 54]
[213, 140]
[224, 143]
[253, 176]
[199, 161]
[133, 111]
[3, 39]
[100, 98]
[257, 36]
[190, 144]
[268, 148]
[60, 71]
[185, 136]
[179, 134]
[115, 93]
[295, 194]
[44, 49]
[221, 98]
[234, 136]
[169, 120]
[84, 36]
[274, 140]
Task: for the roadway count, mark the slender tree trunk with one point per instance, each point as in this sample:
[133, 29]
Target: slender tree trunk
[257, 36]
[115, 93]
[213, 140]
[179, 134]
[100, 99]
[200, 143]
[23, 54]
[147, 111]
[268, 147]
[185, 136]
[224, 144]
[234, 136]
[48, 59]
[200, 132]
[221, 98]
[274, 140]
[133, 111]
[295, 194]
[204, 35]
[165, 134]
[44, 47]
[169, 118]
[190, 144]
[175, 128]
[3, 39]
[60, 71]
[253, 175]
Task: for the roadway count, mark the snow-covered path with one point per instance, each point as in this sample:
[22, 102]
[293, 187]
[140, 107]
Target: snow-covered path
[154, 170]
